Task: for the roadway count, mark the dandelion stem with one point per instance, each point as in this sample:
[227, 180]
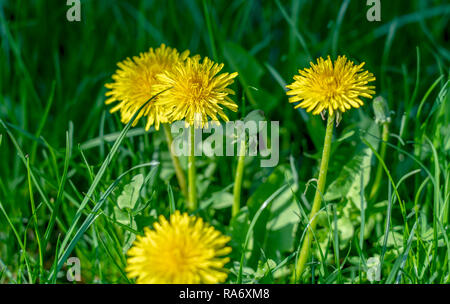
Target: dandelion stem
[306, 245]
[377, 182]
[192, 202]
[238, 180]
[176, 161]
[36, 230]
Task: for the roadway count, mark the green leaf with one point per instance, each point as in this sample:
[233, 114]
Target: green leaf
[129, 238]
[445, 133]
[252, 229]
[222, 199]
[276, 227]
[130, 193]
[394, 239]
[264, 268]
[348, 182]
[346, 230]
[381, 110]
[122, 217]
[237, 229]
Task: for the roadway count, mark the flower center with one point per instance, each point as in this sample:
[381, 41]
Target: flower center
[181, 258]
[331, 86]
[197, 90]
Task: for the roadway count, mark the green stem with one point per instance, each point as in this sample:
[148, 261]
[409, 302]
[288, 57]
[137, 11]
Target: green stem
[377, 182]
[238, 181]
[192, 202]
[306, 245]
[36, 230]
[176, 161]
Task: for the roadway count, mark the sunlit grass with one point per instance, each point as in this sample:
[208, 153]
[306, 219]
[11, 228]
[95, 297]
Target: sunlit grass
[63, 156]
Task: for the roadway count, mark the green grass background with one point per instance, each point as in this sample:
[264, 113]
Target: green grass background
[58, 201]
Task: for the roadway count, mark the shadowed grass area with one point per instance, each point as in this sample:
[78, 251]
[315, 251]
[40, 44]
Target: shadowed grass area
[65, 161]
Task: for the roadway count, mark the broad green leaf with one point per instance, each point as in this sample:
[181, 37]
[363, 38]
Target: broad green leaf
[445, 133]
[276, 228]
[264, 269]
[129, 238]
[130, 193]
[347, 184]
[381, 110]
[121, 216]
[237, 230]
[346, 229]
[394, 239]
[222, 199]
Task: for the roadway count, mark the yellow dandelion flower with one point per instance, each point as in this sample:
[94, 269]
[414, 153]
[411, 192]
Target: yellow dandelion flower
[333, 87]
[197, 91]
[134, 81]
[185, 250]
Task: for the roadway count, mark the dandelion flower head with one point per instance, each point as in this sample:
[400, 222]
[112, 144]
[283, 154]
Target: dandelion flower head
[134, 82]
[335, 87]
[183, 250]
[198, 91]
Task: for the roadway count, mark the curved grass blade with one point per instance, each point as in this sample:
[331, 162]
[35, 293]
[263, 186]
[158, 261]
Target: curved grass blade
[171, 199]
[68, 247]
[102, 171]
[59, 196]
[91, 218]
[252, 225]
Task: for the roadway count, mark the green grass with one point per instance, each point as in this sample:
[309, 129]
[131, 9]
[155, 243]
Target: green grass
[64, 160]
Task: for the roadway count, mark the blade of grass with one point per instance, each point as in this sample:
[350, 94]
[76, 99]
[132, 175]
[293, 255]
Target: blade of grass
[210, 31]
[112, 258]
[401, 260]
[35, 221]
[336, 245]
[337, 27]
[91, 218]
[294, 30]
[12, 227]
[43, 120]
[24, 161]
[112, 137]
[100, 174]
[252, 225]
[171, 199]
[60, 192]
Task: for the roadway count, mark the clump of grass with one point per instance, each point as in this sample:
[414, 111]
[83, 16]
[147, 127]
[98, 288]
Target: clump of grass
[64, 162]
